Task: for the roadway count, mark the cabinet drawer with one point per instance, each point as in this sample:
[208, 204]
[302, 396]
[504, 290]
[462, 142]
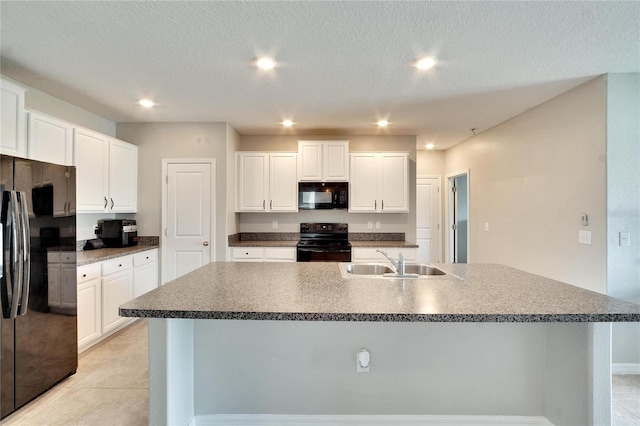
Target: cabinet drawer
[89, 272]
[281, 254]
[68, 257]
[145, 257]
[248, 253]
[115, 265]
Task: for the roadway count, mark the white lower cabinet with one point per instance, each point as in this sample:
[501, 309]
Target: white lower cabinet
[117, 288]
[89, 304]
[61, 280]
[263, 254]
[370, 255]
[145, 272]
[104, 286]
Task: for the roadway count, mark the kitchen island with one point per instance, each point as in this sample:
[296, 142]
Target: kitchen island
[483, 341]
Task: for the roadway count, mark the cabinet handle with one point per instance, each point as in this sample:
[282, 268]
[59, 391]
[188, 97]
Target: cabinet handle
[263, 204]
[112, 204]
[105, 202]
[206, 243]
[375, 204]
[147, 257]
[382, 204]
[270, 204]
[120, 265]
[84, 275]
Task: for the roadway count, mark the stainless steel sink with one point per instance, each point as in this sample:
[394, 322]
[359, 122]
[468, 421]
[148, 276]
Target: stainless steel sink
[421, 269]
[380, 270]
[367, 269]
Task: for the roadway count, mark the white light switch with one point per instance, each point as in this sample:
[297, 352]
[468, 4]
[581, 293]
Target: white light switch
[369, 225]
[486, 226]
[624, 239]
[584, 237]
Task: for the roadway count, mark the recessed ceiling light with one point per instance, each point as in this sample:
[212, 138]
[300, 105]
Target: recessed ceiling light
[146, 103]
[429, 146]
[383, 123]
[287, 123]
[425, 63]
[266, 63]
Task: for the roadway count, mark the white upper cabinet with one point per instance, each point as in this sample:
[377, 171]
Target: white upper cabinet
[266, 182]
[12, 125]
[379, 182]
[323, 161]
[49, 139]
[123, 176]
[92, 168]
[283, 188]
[107, 171]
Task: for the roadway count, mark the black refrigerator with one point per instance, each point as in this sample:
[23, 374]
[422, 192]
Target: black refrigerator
[38, 283]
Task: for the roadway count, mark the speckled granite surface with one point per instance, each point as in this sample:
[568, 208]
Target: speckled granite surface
[290, 239]
[91, 256]
[317, 292]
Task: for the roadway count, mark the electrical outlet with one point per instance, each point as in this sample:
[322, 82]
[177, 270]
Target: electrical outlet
[584, 237]
[274, 225]
[486, 226]
[377, 225]
[369, 225]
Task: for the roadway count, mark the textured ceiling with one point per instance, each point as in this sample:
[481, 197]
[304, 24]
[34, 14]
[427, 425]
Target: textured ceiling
[342, 64]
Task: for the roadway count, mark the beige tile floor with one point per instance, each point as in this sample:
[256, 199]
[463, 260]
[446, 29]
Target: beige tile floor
[111, 388]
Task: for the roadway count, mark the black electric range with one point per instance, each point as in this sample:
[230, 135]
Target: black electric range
[324, 242]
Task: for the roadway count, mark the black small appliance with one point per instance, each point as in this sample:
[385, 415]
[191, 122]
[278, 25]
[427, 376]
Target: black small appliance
[118, 232]
[323, 195]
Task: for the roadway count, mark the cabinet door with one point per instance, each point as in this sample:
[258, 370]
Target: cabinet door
[310, 161]
[54, 285]
[56, 175]
[283, 187]
[49, 139]
[363, 183]
[145, 278]
[89, 311]
[335, 164]
[394, 183]
[92, 168]
[12, 137]
[123, 177]
[116, 290]
[252, 181]
[68, 286]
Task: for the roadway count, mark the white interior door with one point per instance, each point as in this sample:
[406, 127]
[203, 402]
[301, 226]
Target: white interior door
[188, 225]
[428, 219]
[458, 217]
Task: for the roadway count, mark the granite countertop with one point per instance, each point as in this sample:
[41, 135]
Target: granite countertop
[318, 292]
[86, 257]
[261, 243]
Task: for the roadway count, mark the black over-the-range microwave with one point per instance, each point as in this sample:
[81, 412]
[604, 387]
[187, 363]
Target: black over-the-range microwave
[323, 195]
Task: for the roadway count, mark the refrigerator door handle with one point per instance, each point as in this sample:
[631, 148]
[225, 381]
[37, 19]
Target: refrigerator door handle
[12, 255]
[26, 252]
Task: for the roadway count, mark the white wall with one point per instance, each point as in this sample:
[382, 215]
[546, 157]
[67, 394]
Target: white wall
[531, 178]
[290, 222]
[623, 207]
[158, 141]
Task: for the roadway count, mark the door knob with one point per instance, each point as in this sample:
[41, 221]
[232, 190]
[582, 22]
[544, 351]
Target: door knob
[206, 243]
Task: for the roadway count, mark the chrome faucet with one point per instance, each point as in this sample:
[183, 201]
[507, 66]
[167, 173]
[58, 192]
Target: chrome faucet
[398, 265]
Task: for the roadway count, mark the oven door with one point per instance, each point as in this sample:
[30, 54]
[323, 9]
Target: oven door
[324, 254]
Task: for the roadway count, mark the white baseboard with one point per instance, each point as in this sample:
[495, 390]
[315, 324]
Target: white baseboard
[364, 420]
[625, 368]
